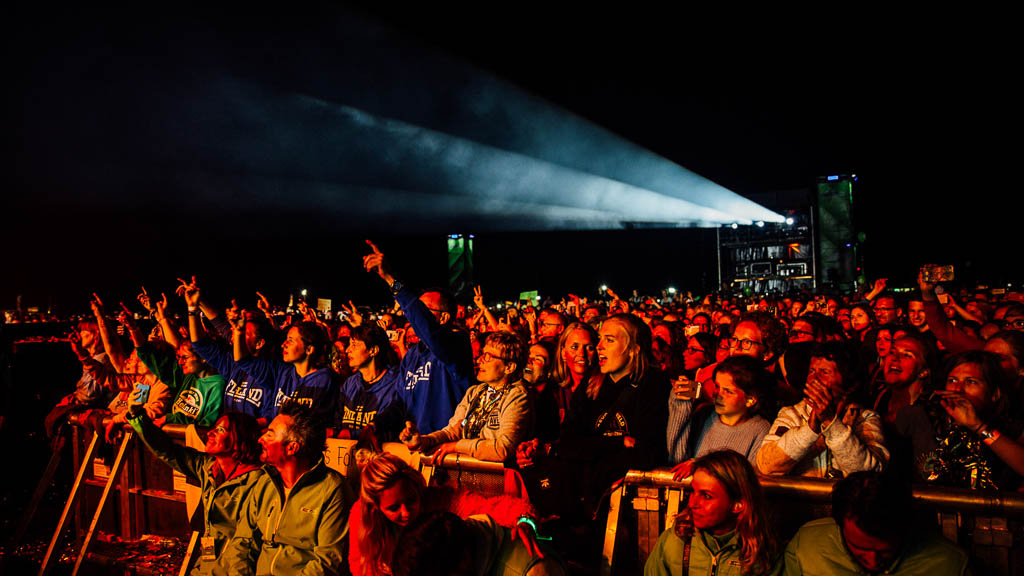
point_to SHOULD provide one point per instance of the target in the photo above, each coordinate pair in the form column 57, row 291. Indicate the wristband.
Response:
column 396, row 287
column 193, row 309
column 530, row 522
column 989, row 436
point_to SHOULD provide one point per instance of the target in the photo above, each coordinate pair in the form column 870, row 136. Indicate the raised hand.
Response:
column 478, row 298
column 126, row 317
column 159, row 310
column 144, row 299
column 355, row 318
column 190, row 291
column 375, row 261
column 960, row 409
column 97, row 305
column 263, row 304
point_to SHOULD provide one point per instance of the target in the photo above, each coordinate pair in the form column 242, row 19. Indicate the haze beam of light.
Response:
column 354, row 150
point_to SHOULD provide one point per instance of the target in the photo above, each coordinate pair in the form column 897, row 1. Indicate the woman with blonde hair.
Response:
column 725, row 524
column 392, row 494
column 619, row 424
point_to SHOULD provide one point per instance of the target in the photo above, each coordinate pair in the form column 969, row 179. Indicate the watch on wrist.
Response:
column 396, row 287
column 988, row 435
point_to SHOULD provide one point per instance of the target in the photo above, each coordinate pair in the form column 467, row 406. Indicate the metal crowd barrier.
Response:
column 126, row 480
column 986, row 523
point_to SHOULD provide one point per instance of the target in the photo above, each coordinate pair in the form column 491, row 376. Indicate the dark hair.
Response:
column 313, row 335
column 307, row 429
column 244, row 433
column 929, row 354
column 709, row 342
column 991, row 371
column 749, row 375
column 372, row 336
column 711, row 323
column 512, row 350
column 434, row 544
column 815, row 321
column 878, row 503
column 845, row 359
column 264, row 331
column 773, row 331
column 1015, row 340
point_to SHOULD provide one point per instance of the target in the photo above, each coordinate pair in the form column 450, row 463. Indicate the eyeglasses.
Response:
column 487, row 357
column 744, row 345
column 884, row 309
column 1015, row 324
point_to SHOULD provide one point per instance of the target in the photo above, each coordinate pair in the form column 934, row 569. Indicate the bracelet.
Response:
column 524, row 519
column 989, row 436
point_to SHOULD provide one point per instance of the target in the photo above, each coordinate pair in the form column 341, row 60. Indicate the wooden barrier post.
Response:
column 44, row 568
column 115, row 472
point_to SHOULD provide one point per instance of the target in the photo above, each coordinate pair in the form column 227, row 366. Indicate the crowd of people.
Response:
column 876, row 389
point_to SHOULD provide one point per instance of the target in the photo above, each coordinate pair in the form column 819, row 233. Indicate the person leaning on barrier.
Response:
column 871, row 529
column 198, row 389
column 296, row 519
column 827, row 433
column 226, row 473
column 493, row 417
column 724, row 529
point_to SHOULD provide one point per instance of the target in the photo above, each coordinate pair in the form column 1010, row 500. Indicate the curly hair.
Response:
column 773, row 332
column 512, row 349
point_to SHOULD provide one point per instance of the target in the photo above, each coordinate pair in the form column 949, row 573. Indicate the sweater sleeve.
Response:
column 217, row 356
column 860, row 447
column 788, row 440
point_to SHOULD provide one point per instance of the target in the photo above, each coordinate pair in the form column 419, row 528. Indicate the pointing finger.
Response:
column 374, row 247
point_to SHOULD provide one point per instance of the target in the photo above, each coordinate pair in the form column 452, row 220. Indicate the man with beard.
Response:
column 296, row 518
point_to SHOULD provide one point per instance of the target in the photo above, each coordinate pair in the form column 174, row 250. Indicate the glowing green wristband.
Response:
column 529, row 522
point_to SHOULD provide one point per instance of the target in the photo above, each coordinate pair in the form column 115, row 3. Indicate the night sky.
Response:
column 120, row 174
